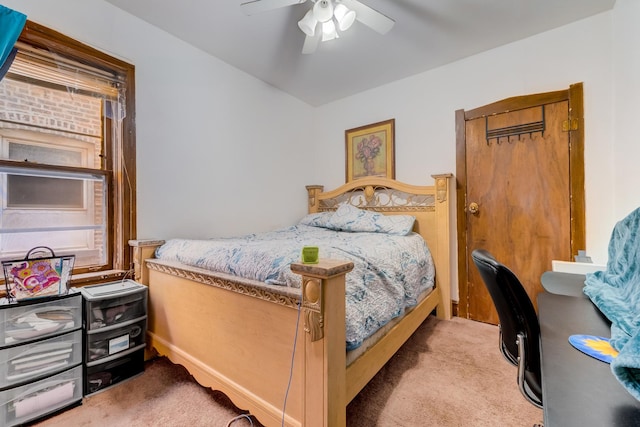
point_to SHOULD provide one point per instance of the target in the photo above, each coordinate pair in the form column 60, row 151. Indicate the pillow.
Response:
column 320, row 219
column 350, row 218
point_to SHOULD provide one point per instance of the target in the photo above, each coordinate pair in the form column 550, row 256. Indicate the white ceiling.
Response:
column 426, row 35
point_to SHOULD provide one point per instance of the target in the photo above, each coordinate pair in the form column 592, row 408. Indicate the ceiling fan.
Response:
column 326, row 19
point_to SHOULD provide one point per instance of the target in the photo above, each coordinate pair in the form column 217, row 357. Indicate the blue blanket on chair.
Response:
column 616, row 292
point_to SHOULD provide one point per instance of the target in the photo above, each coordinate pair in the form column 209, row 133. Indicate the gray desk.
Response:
column 578, row 390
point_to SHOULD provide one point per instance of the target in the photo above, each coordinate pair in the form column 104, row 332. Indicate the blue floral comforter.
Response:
column 390, row 271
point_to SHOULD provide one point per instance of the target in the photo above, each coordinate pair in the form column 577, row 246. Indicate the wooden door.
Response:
column 520, row 171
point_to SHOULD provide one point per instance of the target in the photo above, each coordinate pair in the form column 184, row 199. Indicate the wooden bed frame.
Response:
column 283, row 361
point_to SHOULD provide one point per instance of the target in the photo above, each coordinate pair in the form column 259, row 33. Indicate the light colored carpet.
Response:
column 449, row 374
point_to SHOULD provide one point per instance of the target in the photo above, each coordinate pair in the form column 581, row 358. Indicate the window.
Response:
column 67, row 154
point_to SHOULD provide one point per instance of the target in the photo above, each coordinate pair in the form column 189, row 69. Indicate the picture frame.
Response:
column 370, row 151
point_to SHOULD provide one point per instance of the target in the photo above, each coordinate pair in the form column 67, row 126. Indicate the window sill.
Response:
column 84, row 279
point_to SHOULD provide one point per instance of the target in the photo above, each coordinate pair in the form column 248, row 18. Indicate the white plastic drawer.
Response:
column 34, row 400
column 23, row 323
column 109, row 343
column 29, row 362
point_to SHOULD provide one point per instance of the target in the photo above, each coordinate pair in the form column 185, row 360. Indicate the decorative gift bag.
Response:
column 40, row 274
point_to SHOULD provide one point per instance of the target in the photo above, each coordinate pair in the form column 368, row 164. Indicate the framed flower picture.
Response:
column 370, row 151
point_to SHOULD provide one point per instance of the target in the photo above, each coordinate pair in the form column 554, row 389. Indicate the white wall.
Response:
column 626, row 143
column 424, row 108
column 206, row 132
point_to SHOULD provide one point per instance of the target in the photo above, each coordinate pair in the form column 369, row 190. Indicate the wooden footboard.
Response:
column 280, row 352
column 257, row 346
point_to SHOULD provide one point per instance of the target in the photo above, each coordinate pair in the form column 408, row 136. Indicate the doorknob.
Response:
column 474, row 208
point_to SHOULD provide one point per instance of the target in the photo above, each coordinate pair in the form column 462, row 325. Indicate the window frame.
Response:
column 122, row 197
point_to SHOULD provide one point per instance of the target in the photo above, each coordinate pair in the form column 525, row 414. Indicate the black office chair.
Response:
column 519, row 328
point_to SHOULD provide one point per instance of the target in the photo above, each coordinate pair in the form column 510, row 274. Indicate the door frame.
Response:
column 574, row 95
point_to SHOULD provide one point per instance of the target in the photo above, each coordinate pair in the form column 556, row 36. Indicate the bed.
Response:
column 280, row 352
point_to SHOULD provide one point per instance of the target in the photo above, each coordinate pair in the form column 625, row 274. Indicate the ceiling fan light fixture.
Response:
column 329, row 31
column 308, row 23
column 323, row 10
column 344, row 16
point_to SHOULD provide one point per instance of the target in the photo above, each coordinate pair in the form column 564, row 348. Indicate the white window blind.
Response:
column 40, row 65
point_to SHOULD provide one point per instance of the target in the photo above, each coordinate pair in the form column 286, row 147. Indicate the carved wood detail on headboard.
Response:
column 374, row 197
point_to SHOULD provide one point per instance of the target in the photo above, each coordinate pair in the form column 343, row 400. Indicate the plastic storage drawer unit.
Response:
column 116, row 328
column 36, row 319
column 32, row 361
column 28, row 402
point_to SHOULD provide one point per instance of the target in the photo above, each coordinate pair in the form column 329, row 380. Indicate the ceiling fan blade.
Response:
column 258, row 6
column 370, row 17
column 311, row 43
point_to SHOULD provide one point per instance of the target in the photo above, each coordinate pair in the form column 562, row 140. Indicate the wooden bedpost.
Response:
column 323, row 296
column 443, row 267
column 143, row 249
column 313, row 202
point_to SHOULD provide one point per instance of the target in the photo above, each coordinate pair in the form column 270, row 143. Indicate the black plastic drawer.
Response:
column 103, row 375
column 108, row 305
column 109, row 343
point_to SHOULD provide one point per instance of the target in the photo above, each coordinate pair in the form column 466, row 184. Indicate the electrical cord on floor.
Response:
column 239, row 417
column 293, row 355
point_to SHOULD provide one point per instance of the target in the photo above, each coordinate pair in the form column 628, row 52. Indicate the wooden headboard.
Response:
column 428, row 204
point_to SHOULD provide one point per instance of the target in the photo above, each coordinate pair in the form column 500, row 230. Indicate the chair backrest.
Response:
column 514, row 307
